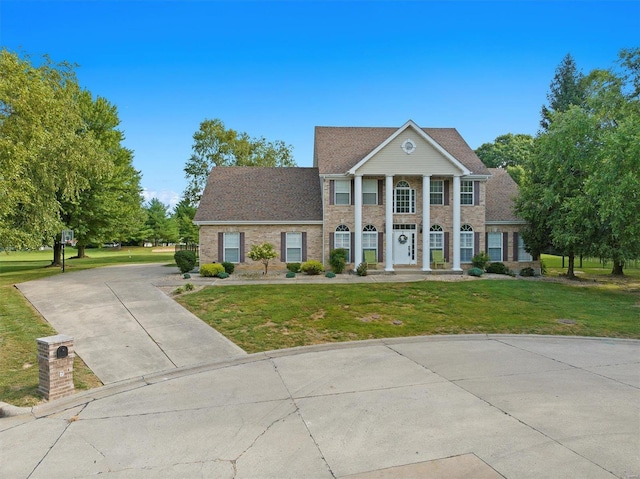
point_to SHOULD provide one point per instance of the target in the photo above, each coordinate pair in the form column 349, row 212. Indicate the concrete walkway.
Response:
column 432, row 407
column 123, row 326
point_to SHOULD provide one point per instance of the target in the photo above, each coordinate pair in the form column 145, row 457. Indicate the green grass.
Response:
column 20, row 324
column 260, row 318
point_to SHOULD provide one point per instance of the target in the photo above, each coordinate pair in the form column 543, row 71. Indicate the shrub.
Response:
column 361, row 270
column 229, row 268
column 338, row 259
column 185, row 260
column 291, row 274
column 210, row 270
column 497, row 268
column 188, row 287
column 186, row 276
column 312, row 267
column 330, row 274
column 293, row 267
column 480, row 260
column 223, row 275
column 527, row 272
column 264, row 252
column 179, row 290
column 475, row 272
column 543, row 268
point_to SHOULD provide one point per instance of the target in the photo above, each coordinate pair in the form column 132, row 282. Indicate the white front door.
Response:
column 404, row 247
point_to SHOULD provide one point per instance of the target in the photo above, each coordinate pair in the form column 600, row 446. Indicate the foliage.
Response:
column 290, row 274
column 183, row 215
column 338, row 259
column 214, row 145
column 162, row 228
column 567, row 89
column 185, row 260
column 361, row 270
column 293, row 267
column 506, row 150
column 223, row 275
column 480, row 260
column 475, row 272
column 330, row 274
column 264, row 252
column 497, row 268
column 229, row 268
column 527, row 272
column 312, row 267
column 210, row 270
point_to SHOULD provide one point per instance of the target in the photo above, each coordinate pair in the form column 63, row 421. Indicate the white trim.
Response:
column 456, row 223
column 242, row 223
column 513, row 222
column 357, row 219
column 426, row 222
column 463, row 169
column 388, row 223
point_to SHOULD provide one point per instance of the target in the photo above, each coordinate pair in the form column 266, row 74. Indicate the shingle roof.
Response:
column 501, row 192
column 249, row 193
column 337, row 149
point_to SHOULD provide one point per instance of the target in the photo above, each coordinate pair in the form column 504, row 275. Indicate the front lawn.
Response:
column 267, row 317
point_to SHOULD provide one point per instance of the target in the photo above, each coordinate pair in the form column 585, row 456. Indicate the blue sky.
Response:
column 278, row 69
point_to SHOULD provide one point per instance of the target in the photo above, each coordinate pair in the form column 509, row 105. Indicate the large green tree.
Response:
column 47, row 154
column 183, row 213
column 507, row 151
column 214, row 145
column 566, row 89
column 161, row 225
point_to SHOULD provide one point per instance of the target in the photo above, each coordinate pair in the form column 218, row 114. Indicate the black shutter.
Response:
column 446, row 246
column 380, row 192
column 476, row 243
column 352, row 247
column 486, row 243
column 332, row 192
column 242, row 247
column 220, row 247
column 283, row 246
column 446, row 192
column 352, row 193
column 515, row 246
column 304, row 247
column 380, row 248
column 476, row 193
column 505, row 246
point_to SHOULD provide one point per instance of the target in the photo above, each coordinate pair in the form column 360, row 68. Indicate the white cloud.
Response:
column 170, row 198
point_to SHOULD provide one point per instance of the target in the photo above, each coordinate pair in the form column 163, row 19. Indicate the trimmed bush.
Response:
column 229, row 268
column 293, row 267
column 527, row 272
column 480, row 260
column 186, row 276
column 361, row 270
column 291, row 274
column 497, row 268
column 185, row 260
column 223, row 275
column 189, row 287
column 210, row 270
column 338, row 259
column 312, row 267
column 330, row 274
column 475, row 272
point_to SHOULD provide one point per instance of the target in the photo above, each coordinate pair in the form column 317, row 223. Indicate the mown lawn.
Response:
column 266, row 317
column 21, row 324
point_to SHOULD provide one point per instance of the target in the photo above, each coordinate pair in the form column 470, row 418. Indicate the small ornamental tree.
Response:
column 264, row 252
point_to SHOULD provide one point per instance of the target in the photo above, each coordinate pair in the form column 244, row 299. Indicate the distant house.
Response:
column 397, row 197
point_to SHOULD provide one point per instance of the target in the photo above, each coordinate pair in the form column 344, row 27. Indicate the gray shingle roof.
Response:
column 248, row 193
column 501, row 192
column 337, row 149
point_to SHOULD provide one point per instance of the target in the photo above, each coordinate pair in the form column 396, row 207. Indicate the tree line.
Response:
column 579, row 177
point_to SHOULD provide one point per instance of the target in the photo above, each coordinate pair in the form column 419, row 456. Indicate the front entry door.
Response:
column 404, row 247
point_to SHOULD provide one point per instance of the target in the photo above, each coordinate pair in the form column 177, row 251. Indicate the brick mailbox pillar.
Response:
column 55, row 362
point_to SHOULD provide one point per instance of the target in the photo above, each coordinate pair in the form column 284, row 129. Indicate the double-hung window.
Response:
column 342, row 192
column 466, row 243
column 404, row 198
column 342, row 239
column 522, row 252
column 436, row 193
column 370, row 240
column 494, row 246
column 294, row 248
column 369, row 192
column 232, row 247
column 436, row 240
column 466, row 192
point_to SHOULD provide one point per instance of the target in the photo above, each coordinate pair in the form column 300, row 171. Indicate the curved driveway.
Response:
column 432, row 407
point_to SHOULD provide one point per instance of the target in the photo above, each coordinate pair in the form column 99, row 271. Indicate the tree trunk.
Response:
column 618, row 266
column 57, row 254
column 571, row 268
column 81, row 251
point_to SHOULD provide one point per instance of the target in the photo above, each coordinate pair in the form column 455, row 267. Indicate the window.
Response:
column 466, row 243
column 294, row 248
column 342, row 239
column 522, row 252
column 466, row 192
column 370, row 240
column 369, row 192
column 404, row 198
column 342, row 192
column 436, row 240
column 437, row 192
column 494, row 246
column 232, row 247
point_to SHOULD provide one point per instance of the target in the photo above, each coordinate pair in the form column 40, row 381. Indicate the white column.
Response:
column 456, row 223
column 388, row 218
column 357, row 205
column 426, row 221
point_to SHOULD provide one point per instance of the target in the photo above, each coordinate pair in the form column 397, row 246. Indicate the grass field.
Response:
column 20, row 324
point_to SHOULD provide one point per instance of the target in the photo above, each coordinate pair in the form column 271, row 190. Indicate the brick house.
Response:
column 367, row 192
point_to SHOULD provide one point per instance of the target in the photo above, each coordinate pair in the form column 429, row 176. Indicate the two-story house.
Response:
column 396, row 197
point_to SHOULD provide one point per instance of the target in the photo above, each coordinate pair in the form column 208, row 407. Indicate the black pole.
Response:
column 63, row 257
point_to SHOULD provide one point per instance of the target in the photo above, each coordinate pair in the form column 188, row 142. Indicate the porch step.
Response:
column 416, row 271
